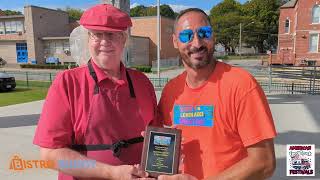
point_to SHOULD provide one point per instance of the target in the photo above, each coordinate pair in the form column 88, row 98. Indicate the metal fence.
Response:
column 287, row 79
column 273, row 79
column 290, row 88
column 44, row 79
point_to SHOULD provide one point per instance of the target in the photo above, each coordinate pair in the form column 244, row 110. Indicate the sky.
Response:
column 176, row 5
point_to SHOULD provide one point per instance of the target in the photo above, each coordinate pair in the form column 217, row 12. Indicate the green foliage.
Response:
column 222, row 57
column 146, row 69
column 74, row 13
column 10, row 13
column 266, row 14
column 46, row 66
column 225, row 7
column 138, row 11
column 225, row 19
column 165, row 10
column 259, row 19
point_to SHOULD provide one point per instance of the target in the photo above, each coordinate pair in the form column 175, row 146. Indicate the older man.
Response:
column 97, row 111
column 229, row 130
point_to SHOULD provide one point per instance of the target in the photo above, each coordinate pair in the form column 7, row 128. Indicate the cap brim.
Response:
column 103, row 28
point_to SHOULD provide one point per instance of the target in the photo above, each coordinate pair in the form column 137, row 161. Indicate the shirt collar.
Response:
column 101, row 75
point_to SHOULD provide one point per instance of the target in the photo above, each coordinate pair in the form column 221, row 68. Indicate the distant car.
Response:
column 7, row 82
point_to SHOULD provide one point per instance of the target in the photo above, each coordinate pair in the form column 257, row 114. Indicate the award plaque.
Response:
column 161, row 151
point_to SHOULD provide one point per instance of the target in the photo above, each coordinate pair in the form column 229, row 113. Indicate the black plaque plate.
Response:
column 161, row 151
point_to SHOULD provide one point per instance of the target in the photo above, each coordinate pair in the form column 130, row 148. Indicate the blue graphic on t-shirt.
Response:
column 187, row 115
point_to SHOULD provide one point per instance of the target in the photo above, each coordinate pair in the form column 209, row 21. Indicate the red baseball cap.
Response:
column 105, row 17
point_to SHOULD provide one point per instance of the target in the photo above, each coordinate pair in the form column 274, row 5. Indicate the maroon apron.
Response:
column 113, row 136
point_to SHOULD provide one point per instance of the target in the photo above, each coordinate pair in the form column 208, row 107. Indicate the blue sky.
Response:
column 176, row 5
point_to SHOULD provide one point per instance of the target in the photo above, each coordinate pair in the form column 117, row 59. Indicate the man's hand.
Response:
column 177, row 177
column 127, row 172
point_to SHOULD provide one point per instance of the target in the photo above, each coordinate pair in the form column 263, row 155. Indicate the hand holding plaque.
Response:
column 161, row 151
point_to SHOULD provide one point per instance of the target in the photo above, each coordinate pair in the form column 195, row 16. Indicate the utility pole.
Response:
column 240, row 46
column 158, row 38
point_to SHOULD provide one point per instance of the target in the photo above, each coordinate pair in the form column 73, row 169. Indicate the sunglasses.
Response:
column 186, row 35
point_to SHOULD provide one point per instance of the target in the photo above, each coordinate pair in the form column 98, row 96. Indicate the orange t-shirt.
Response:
column 218, row 120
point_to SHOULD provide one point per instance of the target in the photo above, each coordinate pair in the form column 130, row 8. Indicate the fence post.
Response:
column 27, row 77
column 50, row 78
column 270, row 78
column 292, row 88
column 310, row 81
column 314, row 79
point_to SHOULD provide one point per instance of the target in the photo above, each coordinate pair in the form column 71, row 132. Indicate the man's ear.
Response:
column 175, row 41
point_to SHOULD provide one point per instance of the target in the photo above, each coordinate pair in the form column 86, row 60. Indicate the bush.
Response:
column 47, row 66
column 222, row 57
column 146, row 69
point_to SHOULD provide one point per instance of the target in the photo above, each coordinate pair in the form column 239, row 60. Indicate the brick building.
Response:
column 41, row 35
column 299, row 28
column 147, row 27
column 30, row 38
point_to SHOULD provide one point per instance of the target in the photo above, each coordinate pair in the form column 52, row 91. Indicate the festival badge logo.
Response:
column 300, row 160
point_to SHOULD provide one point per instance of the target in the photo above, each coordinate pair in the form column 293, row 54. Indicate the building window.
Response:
column 13, row 27
column 66, row 46
column 2, row 28
column 316, row 14
column 287, row 26
column 313, row 43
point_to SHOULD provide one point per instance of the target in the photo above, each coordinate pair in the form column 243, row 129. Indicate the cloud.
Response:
column 134, row 5
column 177, row 8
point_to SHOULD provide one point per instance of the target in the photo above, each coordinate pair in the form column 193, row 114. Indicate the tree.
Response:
column 165, row 10
column 225, row 18
column 259, row 19
column 138, row 11
column 266, row 15
column 74, row 14
column 10, row 12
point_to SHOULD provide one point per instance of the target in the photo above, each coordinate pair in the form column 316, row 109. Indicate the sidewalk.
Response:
column 297, row 120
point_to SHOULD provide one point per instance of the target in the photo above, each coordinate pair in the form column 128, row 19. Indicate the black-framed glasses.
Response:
column 203, row 32
column 98, row 36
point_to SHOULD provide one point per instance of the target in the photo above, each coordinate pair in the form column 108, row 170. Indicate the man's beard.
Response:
column 201, row 63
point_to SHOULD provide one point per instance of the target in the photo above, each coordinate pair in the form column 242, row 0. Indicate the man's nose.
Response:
column 196, row 41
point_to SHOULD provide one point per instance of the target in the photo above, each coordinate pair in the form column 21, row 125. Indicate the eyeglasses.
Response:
column 98, row 36
column 186, row 35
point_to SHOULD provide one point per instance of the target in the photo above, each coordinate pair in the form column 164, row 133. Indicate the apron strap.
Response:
column 94, row 76
column 115, row 147
column 131, row 89
column 96, row 87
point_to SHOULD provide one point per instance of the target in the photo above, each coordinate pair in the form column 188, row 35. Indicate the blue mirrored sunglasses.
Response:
column 186, row 35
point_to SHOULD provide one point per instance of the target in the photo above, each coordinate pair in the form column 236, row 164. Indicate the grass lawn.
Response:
column 244, row 57
column 22, row 95
column 33, row 84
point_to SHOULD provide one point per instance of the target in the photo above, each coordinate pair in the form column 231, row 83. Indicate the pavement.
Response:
column 297, row 120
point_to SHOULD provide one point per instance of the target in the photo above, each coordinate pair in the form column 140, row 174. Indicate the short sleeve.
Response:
column 157, row 121
column 254, row 118
column 164, row 108
column 54, row 129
